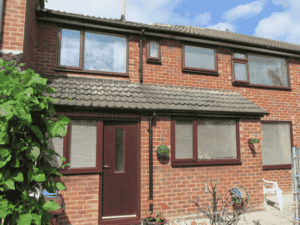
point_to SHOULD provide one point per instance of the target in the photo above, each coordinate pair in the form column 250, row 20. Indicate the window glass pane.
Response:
column 276, row 143
column 268, row 71
column 119, row 163
column 70, row 48
column 83, row 143
column 240, row 71
column 154, row 48
column 105, row 53
column 197, row 57
column 216, row 139
column 56, row 144
column 239, row 55
column 183, row 139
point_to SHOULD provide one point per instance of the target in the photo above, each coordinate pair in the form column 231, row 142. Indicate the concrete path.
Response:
column 273, row 215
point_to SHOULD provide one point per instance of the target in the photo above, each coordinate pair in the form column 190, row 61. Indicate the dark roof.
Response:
column 206, row 33
column 11, row 56
column 116, row 94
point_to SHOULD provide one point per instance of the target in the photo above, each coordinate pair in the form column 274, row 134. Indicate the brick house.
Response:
column 199, row 91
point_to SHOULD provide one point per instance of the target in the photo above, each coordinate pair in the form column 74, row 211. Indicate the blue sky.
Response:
column 273, row 19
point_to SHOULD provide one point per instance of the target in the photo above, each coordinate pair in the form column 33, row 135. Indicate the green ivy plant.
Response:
column 162, row 151
column 24, row 113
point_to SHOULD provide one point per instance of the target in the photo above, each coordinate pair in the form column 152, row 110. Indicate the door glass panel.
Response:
column 119, row 159
column 83, row 137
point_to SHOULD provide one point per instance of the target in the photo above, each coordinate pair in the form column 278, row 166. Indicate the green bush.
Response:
column 23, row 124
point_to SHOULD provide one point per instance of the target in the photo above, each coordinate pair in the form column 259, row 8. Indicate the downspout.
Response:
column 151, row 161
column 141, row 56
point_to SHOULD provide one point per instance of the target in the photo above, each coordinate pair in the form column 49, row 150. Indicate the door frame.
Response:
column 129, row 220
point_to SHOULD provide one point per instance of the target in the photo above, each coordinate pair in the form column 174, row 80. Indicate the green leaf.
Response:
column 51, row 205
column 15, row 164
column 25, row 219
column 4, row 161
column 37, row 132
column 22, row 112
column 17, row 176
column 5, row 152
column 39, row 177
column 50, row 90
column 6, row 111
column 10, row 184
column 36, row 219
column 60, row 186
column 4, row 208
column 4, row 138
column 6, row 174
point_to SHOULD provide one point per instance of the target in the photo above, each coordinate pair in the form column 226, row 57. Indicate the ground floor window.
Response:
column 276, row 143
column 205, row 141
column 80, row 146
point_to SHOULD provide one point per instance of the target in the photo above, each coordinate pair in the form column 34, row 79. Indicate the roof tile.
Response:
column 198, row 31
column 147, row 96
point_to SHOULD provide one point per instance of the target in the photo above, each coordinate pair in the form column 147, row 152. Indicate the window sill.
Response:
column 92, row 72
column 79, row 170
column 274, row 167
column 156, row 61
column 206, row 72
column 206, row 162
column 261, row 86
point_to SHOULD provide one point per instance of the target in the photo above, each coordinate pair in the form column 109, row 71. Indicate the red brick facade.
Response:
column 177, row 186
column 13, row 25
column 173, row 186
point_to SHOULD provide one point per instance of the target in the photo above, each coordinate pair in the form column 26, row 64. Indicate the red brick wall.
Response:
column 81, row 198
column 30, row 34
column 176, row 186
column 13, row 25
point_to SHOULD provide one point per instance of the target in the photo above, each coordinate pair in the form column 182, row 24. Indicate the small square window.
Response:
column 153, row 51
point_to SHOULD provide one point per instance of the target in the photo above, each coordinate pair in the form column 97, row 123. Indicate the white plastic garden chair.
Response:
column 273, row 190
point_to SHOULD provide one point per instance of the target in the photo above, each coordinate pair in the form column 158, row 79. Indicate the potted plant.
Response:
column 162, row 151
column 253, row 144
column 154, row 218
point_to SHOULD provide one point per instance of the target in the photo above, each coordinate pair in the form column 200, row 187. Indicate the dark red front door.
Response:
column 120, row 179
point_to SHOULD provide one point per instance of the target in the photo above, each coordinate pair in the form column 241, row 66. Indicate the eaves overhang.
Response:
column 175, row 32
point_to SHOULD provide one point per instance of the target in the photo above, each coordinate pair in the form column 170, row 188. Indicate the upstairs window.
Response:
column 259, row 70
column 199, row 59
column 153, row 51
column 92, row 52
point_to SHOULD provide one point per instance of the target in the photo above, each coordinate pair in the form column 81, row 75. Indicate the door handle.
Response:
column 106, row 167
